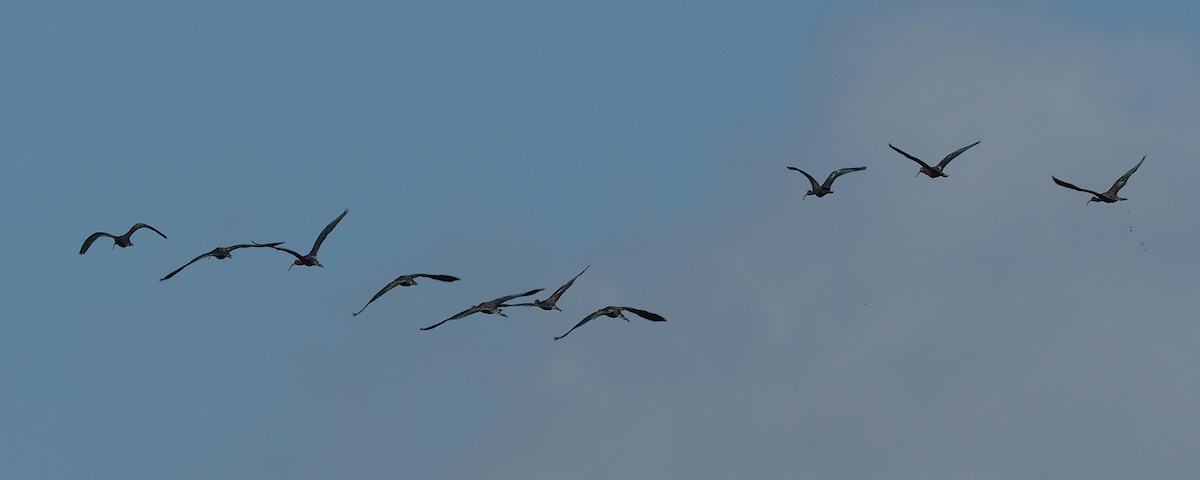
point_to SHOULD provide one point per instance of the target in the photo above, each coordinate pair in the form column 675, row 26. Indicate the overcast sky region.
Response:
column 988, row 325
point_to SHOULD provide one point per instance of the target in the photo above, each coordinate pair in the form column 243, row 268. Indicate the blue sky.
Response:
column 986, row 325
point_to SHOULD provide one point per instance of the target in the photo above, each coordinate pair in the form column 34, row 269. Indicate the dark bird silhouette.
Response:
column 489, row 307
column 311, row 259
column 121, row 241
column 1111, row 195
column 551, row 302
column 406, row 281
column 220, row 253
column 935, row 171
column 615, row 312
column 822, row 189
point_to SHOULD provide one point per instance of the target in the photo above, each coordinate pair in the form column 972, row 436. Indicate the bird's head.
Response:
column 806, row 194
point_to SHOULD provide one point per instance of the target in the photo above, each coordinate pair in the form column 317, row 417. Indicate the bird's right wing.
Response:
column 501, row 300
column 177, row 270
column 837, row 173
column 910, row 157
column 954, row 154
column 248, row 245
column 137, row 226
column 287, row 250
column 456, row 316
column 586, row 319
column 385, row 289
column 553, row 298
column 1120, row 183
column 811, row 180
column 1072, row 187
column 92, row 238
column 442, row 278
column 651, row 316
column 325, row 233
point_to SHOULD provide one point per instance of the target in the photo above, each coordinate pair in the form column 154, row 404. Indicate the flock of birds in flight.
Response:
column 494, row 306
column 823, row 189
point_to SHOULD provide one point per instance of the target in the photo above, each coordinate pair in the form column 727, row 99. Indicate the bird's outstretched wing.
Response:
column 325, row 233
column 214, row 252
column 137, row 226
column 194, row 260
column 500, row 301
column 252, row 244
column 382, row 291
column 553, row 298
column 651, row 316
column 946, row 161
column 377, row 295
column 1073, row 187
column 441, row 278
column 1120, row 183
column 910, row 157
column 92, row 238
column 586, row 319
column 287, row 250
column 469, row 311
column 811, row 180
column 837, row 173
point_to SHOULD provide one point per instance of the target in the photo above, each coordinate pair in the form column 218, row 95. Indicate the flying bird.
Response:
column 121, row 241
column 489, row 307
column 936, row 171
column 551, row 302
column 406, row 281
column 220, row 253
column 615, row 312
column 1111, row 195
column 822, row 189
column 311, row 259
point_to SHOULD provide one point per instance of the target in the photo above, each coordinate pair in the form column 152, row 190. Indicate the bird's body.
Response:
column 823, row 189
column 489, row 307
column 615, row 312
column 221, row 253
column 551, row 302
column 310, row 259
column 1109, row 196
column 936, row 170
column 118, row 241
column 406, row 281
